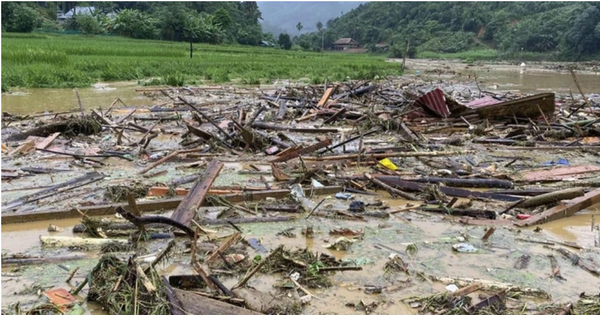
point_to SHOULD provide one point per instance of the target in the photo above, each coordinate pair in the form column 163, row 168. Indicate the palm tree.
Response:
column 320, row 28
column 299, row 27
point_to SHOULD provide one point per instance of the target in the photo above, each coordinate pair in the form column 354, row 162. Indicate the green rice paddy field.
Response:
column 40, row 60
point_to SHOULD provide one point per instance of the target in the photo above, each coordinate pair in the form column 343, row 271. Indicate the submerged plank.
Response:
column 149, row 206
column 564, row 210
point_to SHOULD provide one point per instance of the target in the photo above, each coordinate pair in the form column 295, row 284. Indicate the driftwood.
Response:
column 149, row 206
column 187, row 208
column 487, row 214
column 564, row 210
column 261, row 125
column 67, row 241
column 386, row 155
column 390, row 189
column 548, row 198
column 55, row 189
column 311, row 148
column 470, row 182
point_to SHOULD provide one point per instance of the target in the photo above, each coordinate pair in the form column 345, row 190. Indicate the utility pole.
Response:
column 404, row 59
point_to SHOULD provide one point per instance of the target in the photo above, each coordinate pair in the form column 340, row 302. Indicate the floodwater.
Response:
column 528, row 79
column 433, row 234
column 531, row 79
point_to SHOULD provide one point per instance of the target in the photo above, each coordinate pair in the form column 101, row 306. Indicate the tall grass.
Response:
column 77, row 61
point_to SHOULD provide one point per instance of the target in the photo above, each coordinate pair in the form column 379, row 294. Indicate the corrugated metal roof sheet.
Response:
column 436, row 102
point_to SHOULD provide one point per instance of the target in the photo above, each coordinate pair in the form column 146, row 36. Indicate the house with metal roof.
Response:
column 345, row 43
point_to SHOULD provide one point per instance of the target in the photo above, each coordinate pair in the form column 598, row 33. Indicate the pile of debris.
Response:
column 443, row 151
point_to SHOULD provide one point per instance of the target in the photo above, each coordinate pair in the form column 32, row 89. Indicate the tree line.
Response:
column 205, row 22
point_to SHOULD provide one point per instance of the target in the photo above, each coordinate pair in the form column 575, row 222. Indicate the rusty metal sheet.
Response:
column 559, row 173
column 482, row 102
column 60, row 296
column 436, row 102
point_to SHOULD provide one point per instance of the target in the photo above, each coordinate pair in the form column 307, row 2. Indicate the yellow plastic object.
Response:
column 388, row 164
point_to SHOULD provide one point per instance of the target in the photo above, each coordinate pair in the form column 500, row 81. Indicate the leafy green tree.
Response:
column 284, row 41
column 299, row 26
column 136, row 24
column 19, row 17
column 222, row 18
column 582, row 39
column 88, row 24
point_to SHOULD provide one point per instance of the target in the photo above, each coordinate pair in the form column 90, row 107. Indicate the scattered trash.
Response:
column 464, row 248
column 344, row 196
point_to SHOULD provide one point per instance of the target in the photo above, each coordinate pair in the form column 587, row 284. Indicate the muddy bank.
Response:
column 357, row 151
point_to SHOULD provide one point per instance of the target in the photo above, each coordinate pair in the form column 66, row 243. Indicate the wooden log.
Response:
column 466, row 182
column 193, row 200
column 174, row 304
column 487, row 214
column 247, row 220
column 282, row 109
column 576, row 260
column 335, row 116
column 261, row 125
column 564, row 210
column 55, row 189
column 548, row 198
column 386, row 155
column 297, row 153
column 66, row 241
column 149, row 206
column 450, row 191
column 390, row 189
column 40, row 260
column 44, row 144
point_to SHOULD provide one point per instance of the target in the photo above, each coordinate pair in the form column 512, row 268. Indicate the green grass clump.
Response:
column 46, row 60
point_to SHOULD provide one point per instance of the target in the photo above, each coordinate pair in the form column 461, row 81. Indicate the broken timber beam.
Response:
column 150, row 206
column 191, row 202
column 261, row 125
column 564, row 210
column 386, row 155
column 297, row 153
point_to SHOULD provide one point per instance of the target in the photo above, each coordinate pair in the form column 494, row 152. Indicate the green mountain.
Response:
column 566, row 30
column 283, row 16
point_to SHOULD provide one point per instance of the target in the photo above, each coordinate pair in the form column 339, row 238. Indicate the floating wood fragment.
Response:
column 567, row 209
column 386, row 155
column 326, row 96
column 548, row 198
column 558, row 173
column 187, row 208
column 23, row 148
column 297, row 153
column 267, row 126
column 44, row 144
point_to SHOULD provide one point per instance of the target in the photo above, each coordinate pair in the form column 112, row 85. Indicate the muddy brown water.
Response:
column 433, row 234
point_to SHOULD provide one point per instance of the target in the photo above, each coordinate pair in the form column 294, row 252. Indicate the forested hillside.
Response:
column 568, row 30
column 205, row 22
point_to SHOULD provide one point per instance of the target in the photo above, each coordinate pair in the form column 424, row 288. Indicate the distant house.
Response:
column 345, row 43
column 61, row 17
column 264, row 43
column 74, row 11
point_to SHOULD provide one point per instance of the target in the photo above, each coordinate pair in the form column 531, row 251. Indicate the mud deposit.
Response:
column 159, row 152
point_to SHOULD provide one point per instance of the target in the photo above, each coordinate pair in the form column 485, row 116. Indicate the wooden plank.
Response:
column 261, row 125
column 309, row 149
column 23, row 148
column 564, row 210
column 198, row 132
column 44, row 144
column 200, row 305
column 558, row 173
column 149, row 206
column 325, row 97
column 193, row 200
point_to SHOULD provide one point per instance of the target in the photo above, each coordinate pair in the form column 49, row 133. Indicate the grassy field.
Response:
column 39, row 60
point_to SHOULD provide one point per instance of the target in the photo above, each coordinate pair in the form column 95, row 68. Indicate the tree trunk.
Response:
column 191, row 49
